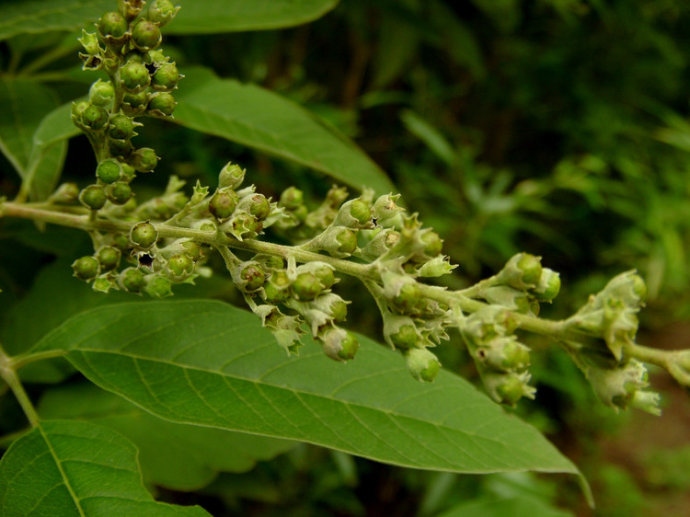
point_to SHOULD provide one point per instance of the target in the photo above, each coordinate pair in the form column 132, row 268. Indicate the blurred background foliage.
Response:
column 558, row 127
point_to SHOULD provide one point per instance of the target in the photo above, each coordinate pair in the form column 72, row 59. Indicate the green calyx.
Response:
column 134, row 76
column 144, row 159
column 347, row 241
column 158, row 286
column 119, row 193
column 144, row 235
column 433, row 245
column 161, row 11
column 132, row 280
column 406, row 337
column 112, row 24
column 180, row 266
column 166, row 77
column 86, row 268
column 94, row 117
column 252, row 277
column 276, row 290
column 102, row 93
column 121, row 127
column 162, row 104
column 339, row 344
column 231, row 176
column 360, row 211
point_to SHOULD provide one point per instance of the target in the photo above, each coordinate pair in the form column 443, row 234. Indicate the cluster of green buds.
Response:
column 148, row 247
column 141, row 79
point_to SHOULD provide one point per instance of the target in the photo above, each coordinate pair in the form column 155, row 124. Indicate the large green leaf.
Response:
column 209, row 364
column 29, row 135
column 33, row 16
column 177, row 456
column 258, row 118
column 65, row 468
column 213, row 16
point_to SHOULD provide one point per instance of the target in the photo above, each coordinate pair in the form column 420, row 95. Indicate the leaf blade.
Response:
column 85, row 469
column 228, row 373
column 214, row 16
column 258, row 118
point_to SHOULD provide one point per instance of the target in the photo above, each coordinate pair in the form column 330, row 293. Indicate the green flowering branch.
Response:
column 148, row 247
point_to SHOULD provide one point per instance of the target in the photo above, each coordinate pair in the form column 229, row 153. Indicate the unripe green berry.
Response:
column 146, row 35
column 223, row 203
column 531, row 268
column 516, row 356
column 144, row 159
column 306, row 286
column 86, row 268
column 360, row 211
column 423, row 365
column 511, row 390
column 66, row 194
column 94, row 117
column 163, row 103
column 108, row 170
column 109, row 257
column 325, row 276
column 121, row 127
column 161, row 11
column 231, row 176
column 407, row 298
column 158, row 287
column 252, row 277
column 78, row 109
column 166, row 77
column 549, row 285
column 276, row 289
column 137, row 100
column 120, row 148
column 291, row 198
column 134, row 76
column 192, row 250
column 339, row 344
column 347, row 241
column 259, row 206
column 93, row 197
column 406, row 337
column 102, row 93
column 143, row 234
column 119, row 193
column 112, row 24
column 433, row 245
column 132, row 280
column 180, row 265
column 349, row 345
column 339, row 311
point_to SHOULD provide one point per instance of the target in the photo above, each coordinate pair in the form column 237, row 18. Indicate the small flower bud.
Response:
column 135, row 103
column 146, row 35
column 407, row 298
column 112, row 24
column 143, row 234
column 181, row 266
column 423, row 364
column 338, row 310
column 78, row 109
column 223, row 203
column 162, row 104
column 549, row 285
column 158, row 286
column 132, row 280
column 511, row 388
column 252, row 277
column 144, row 159
column 102, row 93
column 94, row 117
column 522, row 271
column 291, row 198
column 433, row 245
column 161, row 11
column 339, row 344
column 103, row 284
column 231, row 176
column 93, row 197
column 134, row 76
column 86, row 268
column 119, row 193
column 108, row 170
column 121, row 127
column 306, row 286
column 108, row 257
column 406, row 337
column 257, row 205
column 166, row 77
column 360, row 211
column 65, row 194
